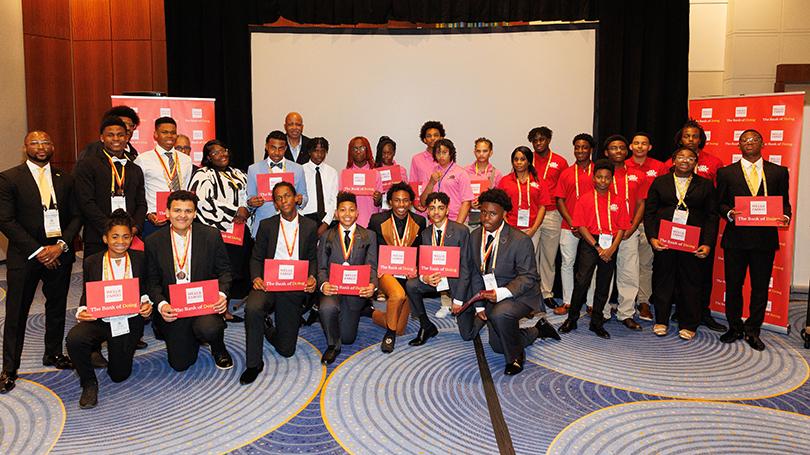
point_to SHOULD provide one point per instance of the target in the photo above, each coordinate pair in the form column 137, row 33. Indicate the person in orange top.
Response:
column 601, row 219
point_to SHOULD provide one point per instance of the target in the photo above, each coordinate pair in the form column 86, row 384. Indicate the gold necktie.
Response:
column 44, row 189
column 753, row 180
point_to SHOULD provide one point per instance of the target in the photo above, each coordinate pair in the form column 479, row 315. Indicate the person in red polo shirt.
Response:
column 529, row 195
column 601, row 219
column 549, row 165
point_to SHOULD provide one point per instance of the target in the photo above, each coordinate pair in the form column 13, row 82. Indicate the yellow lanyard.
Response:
column 596, row 209
column 109, row 272
column 576, row 176
column 626, row 190
column 681, row 190
column 751, row 188
column 115, row 178
column 230, row 179
column 548, row 163
column 528, row 192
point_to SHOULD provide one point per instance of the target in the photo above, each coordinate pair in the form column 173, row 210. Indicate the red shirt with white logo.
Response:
column 549, row 169
column 651, row 168
column 707, row 165
column 629, row 185
column 574, row 182
column 585, row 213
column 537, row 196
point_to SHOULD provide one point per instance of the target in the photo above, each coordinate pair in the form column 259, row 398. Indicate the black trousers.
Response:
column 674, row 281
column 588, row 262
column 416, row 290
column 340, row 316
column 22, row 284
column 287, row 309
column 85, row 337
column 183, row 337
column 706, row 271
column 759, row 264
column 239, row 257
column 503, row 320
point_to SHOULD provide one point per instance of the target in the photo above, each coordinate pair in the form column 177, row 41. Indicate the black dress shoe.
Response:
column 710, row 323
column 755, row 342
column 58, row 361
column 546, row 330
column 141, row 344
column 7, row 382
column 731, row 336
column 568, row 326
column 269, row 329
column 514, row 367
column 313, row 317
column 387, row 345
column 223, row 360
column 330, row 355
column 805, row 337
column 89, row 398
column 550, row 303
column 97, row 360
column 367, row 311
column 600, row 331
column 423, row 335
column 250, row 374
column 235, row 319
column 631, row 324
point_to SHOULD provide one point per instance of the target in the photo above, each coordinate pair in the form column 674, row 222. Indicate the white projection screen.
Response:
column 496, row 83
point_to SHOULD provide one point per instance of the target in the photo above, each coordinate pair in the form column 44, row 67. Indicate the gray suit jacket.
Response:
column 457, row 235
column 330, row 252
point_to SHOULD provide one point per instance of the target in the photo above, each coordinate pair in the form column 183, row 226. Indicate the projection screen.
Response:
column 496, row 83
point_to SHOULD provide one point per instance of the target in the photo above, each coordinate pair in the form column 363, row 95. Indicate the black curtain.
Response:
column 642, row 61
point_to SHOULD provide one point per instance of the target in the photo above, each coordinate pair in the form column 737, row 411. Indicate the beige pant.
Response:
column 645, row 266
column 549, row 243
column 568, row 251
column 626, row 278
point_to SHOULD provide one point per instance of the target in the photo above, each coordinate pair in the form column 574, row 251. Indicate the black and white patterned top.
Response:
column 221, row 193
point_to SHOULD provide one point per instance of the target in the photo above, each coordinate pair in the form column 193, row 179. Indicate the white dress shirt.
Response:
column 34, row 168
column 154, row 176
column 330, row 181
column 290, row 234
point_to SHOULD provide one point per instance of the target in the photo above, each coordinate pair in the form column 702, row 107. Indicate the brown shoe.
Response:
column 631, row 324
column 562, row 309
column 644, row 312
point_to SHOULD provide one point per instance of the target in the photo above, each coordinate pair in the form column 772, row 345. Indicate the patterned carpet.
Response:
column 634, row 393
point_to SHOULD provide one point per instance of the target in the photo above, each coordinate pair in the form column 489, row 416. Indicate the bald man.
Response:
column 40, row 218
column 297, row 143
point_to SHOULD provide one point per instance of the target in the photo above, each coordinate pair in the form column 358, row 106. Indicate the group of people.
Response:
column 603, row 216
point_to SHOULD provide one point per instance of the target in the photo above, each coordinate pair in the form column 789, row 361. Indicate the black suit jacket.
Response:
column 701, row 199
column 22, row 219
column 363, row 252
column 92, row 270
column 269, row 234
column 93, row 179
column 457, row 235
column 209, row 261
column 95, row 148
column 303, row 157
column 731, row 183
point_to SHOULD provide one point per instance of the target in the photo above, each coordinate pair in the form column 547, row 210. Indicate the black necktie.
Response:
column 319, row 192
column 438, row 237
column 488, row 265
column 346, row 239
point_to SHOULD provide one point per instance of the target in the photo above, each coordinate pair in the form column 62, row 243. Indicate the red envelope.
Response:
column 349, row 278
column 397, row 260
column 758, row 211
column 161, row 200
column 285, row 275
column 679, row 237
column 389, row 175
column 113, row 298
column 442, row 259
column 236, row 235
column 266, row 182
column 194, row 299
column 361, row 182
column 479, row 185
column 137, row 244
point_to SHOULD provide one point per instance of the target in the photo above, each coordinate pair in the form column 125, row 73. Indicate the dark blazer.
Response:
column 457, row 235
column 385, row 233
column 303, row 157
column 95, row 148
column 330, row 252
column 515, row 269
column 731, row 183
column 269, row 234
column 92, row 270
column 93, row 180
column 209, row 261
column 22, row 219
column 701, row 199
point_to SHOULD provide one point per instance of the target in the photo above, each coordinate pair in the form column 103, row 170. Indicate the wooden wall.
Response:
column 78, row 53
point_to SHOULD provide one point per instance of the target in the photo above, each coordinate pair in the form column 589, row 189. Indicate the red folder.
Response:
column 285, row 275
column 397, row 260
column 679, row 237
column 161, row 200
column 113, row 298
column 479, row 185
column 389, row 175
column 758, row 211
column 194, row 299
column 266, row 182
column 442, row 259
column 137, row 244
column 361, row 182
column 236, row 235
column 349, row 278
column 418, row 188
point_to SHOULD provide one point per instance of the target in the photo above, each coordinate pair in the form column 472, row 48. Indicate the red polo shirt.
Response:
column 574, row 182
column 629, row 185
column 538, row 195
column 549, row 170
column 585, row 213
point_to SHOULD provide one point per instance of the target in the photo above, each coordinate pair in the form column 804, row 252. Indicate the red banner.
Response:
column 194, row 117
column 778, row 117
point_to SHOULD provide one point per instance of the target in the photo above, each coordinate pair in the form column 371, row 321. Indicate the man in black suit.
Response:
column 188, row 252
column 501, row 268
column 130, row 119
column 283, row 236
column 40, row 219
column 107, row 181
column 297, row 143
column 749, row 248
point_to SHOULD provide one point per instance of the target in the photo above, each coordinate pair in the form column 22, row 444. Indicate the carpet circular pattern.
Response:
column 675, row 427
column 703, row 368
column 31, row 419
column 406, row 402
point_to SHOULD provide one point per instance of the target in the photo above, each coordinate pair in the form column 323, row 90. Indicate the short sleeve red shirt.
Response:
column 629, row 185
column 549, row 169
column 585, row 213
column 573, row 183
column 538, row 195
column 707, row 165
column 651, row 167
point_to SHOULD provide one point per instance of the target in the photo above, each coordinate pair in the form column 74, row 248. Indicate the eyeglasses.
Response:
column 361, row 148
column 183, row 148
column 750, row 140
column 218, row 152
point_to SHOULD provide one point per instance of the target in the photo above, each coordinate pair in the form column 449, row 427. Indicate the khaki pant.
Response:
column 626, row 278
column 549, row 243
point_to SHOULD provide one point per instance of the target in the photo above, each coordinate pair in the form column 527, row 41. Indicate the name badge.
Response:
column 490, row 283
column 443, row 285
column 119, row 325
column 52, row 227
column 758, row 208
column 118, row 202
column 523, row 218
column 605, row 241
column 680, row 216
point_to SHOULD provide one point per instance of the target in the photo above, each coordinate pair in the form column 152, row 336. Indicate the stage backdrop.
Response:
column 194, row 117
column 779, row 118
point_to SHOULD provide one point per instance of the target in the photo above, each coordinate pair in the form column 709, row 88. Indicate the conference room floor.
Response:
column 634, row 393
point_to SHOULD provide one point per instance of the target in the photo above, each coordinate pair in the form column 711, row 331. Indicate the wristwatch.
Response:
column 64, row 245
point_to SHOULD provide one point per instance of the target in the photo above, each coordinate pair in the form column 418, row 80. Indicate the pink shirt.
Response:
column 365, row 204
column 456, row 184
column 490, row 172
column 422, row 165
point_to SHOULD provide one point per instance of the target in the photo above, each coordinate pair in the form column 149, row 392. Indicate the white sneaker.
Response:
column 443, row 312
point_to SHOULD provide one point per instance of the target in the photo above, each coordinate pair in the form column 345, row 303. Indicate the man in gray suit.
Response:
column 501, row 268
column 349, row 244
